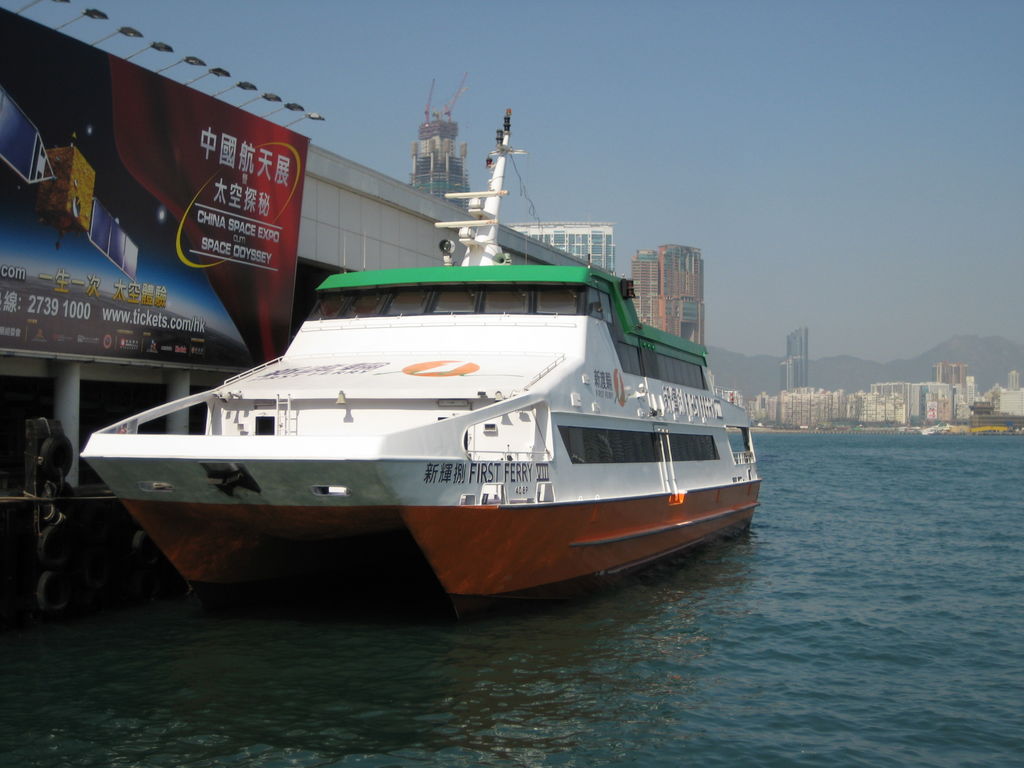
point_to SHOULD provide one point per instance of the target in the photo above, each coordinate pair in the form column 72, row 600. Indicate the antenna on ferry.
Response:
column 482, row 247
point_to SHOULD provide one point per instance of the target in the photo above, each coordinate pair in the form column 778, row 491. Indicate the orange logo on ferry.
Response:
column 620, row 387
column 429, row 369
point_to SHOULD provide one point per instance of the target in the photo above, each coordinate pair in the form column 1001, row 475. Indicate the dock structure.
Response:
column 144, row 261
column 70, row 551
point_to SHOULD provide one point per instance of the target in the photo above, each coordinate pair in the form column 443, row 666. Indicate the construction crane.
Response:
column 447, row 111
column 430, row 95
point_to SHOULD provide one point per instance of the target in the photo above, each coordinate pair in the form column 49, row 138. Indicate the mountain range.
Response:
column 988, row 358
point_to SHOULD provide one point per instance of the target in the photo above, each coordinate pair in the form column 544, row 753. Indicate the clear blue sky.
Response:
column 856, row 167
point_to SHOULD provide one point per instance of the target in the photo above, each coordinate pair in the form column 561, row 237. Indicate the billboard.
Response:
column 139, row 218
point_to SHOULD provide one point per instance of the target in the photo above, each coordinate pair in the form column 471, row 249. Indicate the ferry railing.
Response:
column 550, row 367
column 729, row 395
column 477, row 455
column 130, row 426
column 251, row 371
column 743, row 457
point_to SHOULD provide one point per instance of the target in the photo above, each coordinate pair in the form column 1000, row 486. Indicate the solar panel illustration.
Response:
column 66, row 180
column 21, row 146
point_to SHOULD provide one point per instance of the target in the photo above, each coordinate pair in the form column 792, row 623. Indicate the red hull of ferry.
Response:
column 476, row 552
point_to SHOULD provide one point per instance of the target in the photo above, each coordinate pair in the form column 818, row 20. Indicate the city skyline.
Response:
column 847, row 171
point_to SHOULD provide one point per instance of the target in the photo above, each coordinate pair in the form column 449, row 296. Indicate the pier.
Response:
column 68, row 551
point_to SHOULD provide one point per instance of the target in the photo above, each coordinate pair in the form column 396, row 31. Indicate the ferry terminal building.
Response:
column 144, row 258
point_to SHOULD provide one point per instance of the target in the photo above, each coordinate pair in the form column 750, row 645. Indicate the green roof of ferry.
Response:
column 643, row 335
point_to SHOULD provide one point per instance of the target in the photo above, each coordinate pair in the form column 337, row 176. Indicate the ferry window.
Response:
column 558, row 301
column 599, row 305
column 681, row 372
column 456, row 300
column 692, row 447
column 411, row 302
column 510, row 301
column 649, row 363
column 366, row 304
column 739, row 440
column 629, row 358
column 329, row 306
column 589, row 445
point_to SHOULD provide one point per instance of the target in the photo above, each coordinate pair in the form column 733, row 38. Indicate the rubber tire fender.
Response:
column 53, row 591
column 56, row 456
column 53, row 547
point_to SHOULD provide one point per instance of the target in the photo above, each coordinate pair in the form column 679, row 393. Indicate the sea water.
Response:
column 872, row 616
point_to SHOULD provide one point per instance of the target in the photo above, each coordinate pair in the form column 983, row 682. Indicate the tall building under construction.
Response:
column 438, row 163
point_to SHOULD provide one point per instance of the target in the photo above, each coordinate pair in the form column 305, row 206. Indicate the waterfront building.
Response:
column 1011, row 402
column 994, row 397
column 895, row 389
column 877, row 407
column 950, row 373
column 590, row 242
column 965, row 399
column 669, row 286
column 985, row 417
column 809, row 407
column 763, row 409
column 793, row 370
column 934, row 401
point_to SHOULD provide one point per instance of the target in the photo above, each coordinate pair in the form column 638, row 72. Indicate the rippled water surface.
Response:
column 873, row 616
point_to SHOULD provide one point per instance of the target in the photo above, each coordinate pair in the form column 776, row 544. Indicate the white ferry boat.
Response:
column 515, row 422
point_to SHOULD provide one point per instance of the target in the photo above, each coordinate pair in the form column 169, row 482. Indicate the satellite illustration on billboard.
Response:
column 194, row 204
column 66, row 181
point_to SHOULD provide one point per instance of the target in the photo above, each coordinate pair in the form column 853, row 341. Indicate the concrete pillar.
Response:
column 179, row 380
column 67, row 405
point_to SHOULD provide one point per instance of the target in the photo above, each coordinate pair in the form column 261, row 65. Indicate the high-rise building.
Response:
column 669, row 285
column 645, row 272
column 794, row 369
column 950, row 373
column 591, row 243
column 436, row 166
column 1013, row 380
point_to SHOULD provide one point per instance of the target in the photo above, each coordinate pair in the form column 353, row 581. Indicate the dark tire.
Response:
column 53, row 591
column 55, row 457
column 53, row 547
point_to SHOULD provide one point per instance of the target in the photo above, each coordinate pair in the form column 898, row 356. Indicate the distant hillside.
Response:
column 988, row 359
